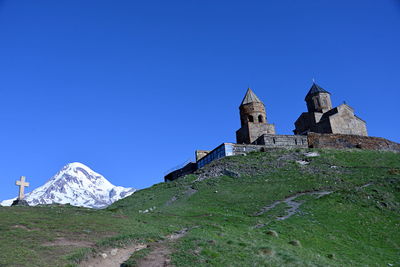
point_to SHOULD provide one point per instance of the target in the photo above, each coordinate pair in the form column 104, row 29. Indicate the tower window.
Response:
column 251, row 119
column 260, row 118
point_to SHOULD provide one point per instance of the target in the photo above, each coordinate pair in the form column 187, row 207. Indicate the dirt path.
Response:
column 293, row 205
column 159, row 256
column 61, row 241
column 112, row 257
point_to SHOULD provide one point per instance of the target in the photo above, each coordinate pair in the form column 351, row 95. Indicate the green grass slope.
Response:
column 356, row 224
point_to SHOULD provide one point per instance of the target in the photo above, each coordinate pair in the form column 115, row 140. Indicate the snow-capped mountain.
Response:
column 78, row 185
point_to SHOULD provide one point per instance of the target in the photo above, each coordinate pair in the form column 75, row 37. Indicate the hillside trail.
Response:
column 112, row 257
column 293, row 205
column 158, row 257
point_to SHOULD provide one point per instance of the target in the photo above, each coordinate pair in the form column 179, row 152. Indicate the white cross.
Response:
column 22, row 184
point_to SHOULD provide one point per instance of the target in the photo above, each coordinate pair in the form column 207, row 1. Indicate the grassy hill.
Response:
column 276, row 208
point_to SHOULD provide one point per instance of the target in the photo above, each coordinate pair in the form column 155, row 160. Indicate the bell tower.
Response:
column 253, row 118
column 318, row 99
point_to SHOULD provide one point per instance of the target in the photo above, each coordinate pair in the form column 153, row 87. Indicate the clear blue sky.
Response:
column 132, row 88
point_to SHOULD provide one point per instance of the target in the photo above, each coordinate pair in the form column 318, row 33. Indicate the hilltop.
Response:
column 299, row 207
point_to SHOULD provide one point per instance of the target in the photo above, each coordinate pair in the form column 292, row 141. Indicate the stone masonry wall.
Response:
column 345, row 122
column 341, row 141
column 251, row 131
column 283, row 141
column 244, row 149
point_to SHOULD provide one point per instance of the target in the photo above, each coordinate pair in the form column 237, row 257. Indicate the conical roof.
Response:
column 316, row 89
column 250, row 97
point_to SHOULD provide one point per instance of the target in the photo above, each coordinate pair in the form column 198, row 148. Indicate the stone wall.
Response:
column 251, row 131
column 310, row 122
column 254, row 109
column 238, row 149
column 345, row 122
column 283, row 141
column 341, row 141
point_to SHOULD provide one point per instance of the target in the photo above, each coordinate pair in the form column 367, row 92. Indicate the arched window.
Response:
column 251, row 119
column 260, row 118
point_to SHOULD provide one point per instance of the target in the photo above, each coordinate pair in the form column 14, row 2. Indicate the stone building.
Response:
column 321, row 127
column 322, row 118
column 253, row 118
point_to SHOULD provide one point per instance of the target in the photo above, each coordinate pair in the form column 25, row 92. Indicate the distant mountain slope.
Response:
column 78, row 185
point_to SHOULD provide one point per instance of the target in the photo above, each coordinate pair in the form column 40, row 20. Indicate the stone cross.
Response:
column 22, row 184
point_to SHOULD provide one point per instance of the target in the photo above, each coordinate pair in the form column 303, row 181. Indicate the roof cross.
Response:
column 22, row 184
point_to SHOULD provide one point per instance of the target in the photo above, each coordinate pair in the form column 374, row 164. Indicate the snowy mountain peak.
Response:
column 78, row 172
column 77, row 185
column 76, row 167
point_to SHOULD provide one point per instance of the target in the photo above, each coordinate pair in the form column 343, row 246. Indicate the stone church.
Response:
column 322, row 118
column 253, row 119
column 321, row 127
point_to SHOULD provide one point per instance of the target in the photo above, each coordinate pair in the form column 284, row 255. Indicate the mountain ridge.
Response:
column 78, row 185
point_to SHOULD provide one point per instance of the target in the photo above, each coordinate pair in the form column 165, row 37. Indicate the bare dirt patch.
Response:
column 23, row 227
column 160, row 255
column 61, row 241
column 112, row 257
column 120, row 216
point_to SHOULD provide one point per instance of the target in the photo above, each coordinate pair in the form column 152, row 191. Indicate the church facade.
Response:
column 322, row 118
